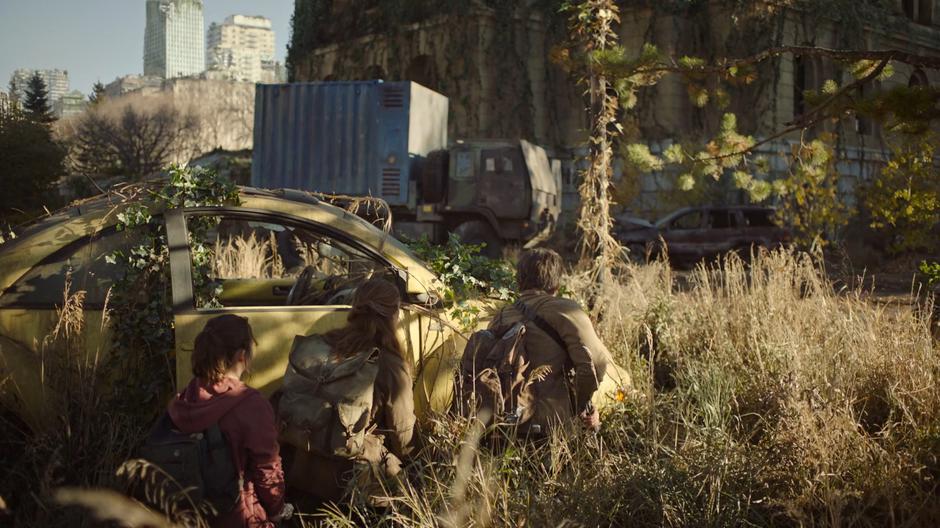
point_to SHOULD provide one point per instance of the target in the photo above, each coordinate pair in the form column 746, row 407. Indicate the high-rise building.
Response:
column 57, row 83
column 174, row 43
column 242, row 49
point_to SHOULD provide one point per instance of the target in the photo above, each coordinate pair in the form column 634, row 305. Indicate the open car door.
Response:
column 248, row 263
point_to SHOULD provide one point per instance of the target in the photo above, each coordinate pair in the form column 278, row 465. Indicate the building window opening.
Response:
column 925, row 12
column 864, row 125
column 918, row 78
column 908, row 7
column 805, row 78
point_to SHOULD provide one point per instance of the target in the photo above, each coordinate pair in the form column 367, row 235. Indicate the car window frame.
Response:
column 733, row 215
column 184, row 301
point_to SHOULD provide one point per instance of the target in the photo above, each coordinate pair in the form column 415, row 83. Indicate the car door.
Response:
column 29, row 311
column 723, row 232
column 252, row 259
column 683, row 236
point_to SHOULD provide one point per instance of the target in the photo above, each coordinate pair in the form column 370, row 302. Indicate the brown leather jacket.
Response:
column 583, row 351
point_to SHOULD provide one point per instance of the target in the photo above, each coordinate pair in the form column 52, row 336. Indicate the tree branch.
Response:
column 921, row 61
column 808, row 119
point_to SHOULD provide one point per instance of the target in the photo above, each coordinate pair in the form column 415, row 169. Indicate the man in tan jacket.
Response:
column 574, row 345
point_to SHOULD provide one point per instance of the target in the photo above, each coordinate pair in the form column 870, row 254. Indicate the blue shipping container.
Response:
column 352, row 138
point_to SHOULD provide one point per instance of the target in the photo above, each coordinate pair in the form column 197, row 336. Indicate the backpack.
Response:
column 200, row 463
column 496, row 377
column 326, row 405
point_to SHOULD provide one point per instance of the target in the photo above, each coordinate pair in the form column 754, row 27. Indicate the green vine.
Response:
column 467, row 276
column 140, row 303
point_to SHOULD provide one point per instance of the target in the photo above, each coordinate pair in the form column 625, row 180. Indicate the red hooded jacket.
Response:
column 247, row 421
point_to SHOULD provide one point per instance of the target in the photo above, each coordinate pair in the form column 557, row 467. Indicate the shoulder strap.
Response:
column 530, row 315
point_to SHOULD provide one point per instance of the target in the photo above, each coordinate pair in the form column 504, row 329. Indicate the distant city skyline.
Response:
column 103, row 40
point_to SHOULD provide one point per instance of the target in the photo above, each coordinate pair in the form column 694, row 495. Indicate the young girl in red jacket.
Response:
column 221, row 355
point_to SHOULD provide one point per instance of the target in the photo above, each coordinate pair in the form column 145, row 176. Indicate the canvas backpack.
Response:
column 326, row 405
column 496, row 376
column 200, row 463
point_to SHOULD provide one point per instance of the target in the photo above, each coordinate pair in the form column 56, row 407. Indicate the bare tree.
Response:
column 135, row 141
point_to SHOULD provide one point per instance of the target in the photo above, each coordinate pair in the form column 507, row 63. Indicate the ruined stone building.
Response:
column 493, row 60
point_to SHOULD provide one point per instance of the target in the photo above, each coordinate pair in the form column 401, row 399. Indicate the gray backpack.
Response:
column 200, row 464
column 326, row 404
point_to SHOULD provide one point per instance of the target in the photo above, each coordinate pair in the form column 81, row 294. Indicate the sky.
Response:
column 102, row 39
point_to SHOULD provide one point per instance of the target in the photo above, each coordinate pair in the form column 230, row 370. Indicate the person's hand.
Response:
column 590, row 419
column 286, row 513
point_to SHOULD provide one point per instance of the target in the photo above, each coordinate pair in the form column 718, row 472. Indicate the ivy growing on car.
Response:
column 140, row 302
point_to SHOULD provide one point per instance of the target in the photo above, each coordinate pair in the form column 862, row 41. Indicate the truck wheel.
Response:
column 478, row 232
column 434, row 177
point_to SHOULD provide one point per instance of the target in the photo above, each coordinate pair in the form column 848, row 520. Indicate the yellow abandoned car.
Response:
column 284, row 259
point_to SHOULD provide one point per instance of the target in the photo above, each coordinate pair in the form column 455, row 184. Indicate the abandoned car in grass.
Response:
column 283, row 259
column 693, row 234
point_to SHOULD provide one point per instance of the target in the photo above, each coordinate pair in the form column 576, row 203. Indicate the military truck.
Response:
column 389, row 140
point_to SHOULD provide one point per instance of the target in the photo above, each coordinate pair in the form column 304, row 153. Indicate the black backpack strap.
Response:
column 543, row 325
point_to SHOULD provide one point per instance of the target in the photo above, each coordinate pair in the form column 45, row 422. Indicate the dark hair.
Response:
column 216, row 346
column 539, row 269
column 371, row 322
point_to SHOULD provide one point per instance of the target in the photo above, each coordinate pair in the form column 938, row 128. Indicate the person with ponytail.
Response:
column 216, row 395
column 390, row 432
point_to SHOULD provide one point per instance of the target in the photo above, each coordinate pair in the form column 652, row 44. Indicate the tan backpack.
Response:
column 326, row 405
column 496, row 378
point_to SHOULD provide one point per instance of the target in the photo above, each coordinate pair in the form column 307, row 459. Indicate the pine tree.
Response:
column 13, row 90
column 32, row 162
column 97, row 93
column 37, row 100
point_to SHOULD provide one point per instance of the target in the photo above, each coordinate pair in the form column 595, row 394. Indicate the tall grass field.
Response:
column 761, row 396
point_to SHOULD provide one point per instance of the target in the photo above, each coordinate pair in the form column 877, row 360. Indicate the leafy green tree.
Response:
column 809, row 196
column 712, row 81
column 904, row 199
column 36, row 101
column 31, row 162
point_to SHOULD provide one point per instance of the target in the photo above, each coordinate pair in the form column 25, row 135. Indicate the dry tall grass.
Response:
column 761, row 397
column 247, row 257
column 82, row 442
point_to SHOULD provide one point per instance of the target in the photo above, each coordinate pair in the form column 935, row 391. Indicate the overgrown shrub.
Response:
column 904, row 199
column 468, row 276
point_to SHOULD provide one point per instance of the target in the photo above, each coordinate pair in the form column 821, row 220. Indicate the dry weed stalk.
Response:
column 111, row 506
column 240, row 257
column 593, row 26
column 163, row 492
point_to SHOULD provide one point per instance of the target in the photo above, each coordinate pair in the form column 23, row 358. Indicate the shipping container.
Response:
column 364, row 138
